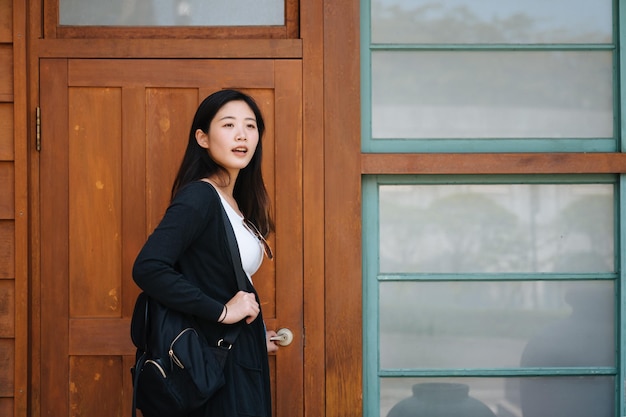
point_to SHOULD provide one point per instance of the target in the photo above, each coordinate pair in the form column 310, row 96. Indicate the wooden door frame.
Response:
column 342, row 197
column 102, row 332
column 21, row 210
column 329, row 49
column 52, row 29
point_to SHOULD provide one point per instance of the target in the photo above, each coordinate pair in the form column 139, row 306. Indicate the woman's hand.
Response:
column 242, row 305
column 271, row 345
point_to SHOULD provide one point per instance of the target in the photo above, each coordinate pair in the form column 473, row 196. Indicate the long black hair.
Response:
column 249, row 191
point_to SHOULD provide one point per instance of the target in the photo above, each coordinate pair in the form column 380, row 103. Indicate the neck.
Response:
column 225, row 183
column 226, row 191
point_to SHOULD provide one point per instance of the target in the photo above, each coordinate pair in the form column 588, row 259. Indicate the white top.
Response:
column 249, row 245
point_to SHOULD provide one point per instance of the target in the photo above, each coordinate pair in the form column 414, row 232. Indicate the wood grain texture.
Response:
column 234, row 73
column 54, row 168
column 6, row 407
column 343, row 332
column 7, row 249
column 7, row 190
column 95, row 204
column 23, row 253
column 95, row 383
column 7, row 367
column 289, row 241
column 170, row 48
column 491, row 163
column 6, row 21
column 133, row 191
column 101, row 337
column 7, row 308
column 7, row 147
column 6, row 70
column 312, row 32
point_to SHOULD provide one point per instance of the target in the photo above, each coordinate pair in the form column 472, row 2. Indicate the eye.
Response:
column 228, row 125
column 251, row 126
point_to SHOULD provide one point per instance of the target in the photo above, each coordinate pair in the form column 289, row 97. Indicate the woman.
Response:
column 186, row 262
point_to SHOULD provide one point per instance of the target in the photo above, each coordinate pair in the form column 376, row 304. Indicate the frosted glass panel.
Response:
column 590, row 396
column 496, row 228
column 542, row 94
column 496, row 324
column 491, row 21
column 172, row 12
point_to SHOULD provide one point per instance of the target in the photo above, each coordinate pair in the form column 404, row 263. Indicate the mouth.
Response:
column 242, row 150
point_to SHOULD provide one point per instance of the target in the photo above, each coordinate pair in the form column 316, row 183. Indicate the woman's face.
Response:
column 233, row 136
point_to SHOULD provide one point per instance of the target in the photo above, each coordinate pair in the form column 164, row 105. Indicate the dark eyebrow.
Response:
column 232, row 117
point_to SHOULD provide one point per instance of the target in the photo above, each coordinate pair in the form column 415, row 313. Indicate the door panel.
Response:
column 114, row 132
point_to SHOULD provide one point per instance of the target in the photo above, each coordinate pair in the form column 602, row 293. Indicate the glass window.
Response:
column 487, row 293
column 496, row 324
column 172, row 13
column 491, row 21
column 488, row 94
column 453, row 228
column 503, row 289
column 553, row 396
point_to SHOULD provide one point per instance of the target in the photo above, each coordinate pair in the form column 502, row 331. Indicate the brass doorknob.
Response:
column 283, row 337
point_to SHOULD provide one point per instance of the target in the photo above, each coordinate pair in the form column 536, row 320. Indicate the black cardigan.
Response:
column 186, row 265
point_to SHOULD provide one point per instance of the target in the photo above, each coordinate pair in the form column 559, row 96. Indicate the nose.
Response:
column 241, row 135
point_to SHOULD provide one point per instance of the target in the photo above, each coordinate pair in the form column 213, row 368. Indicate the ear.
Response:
column 202, row 139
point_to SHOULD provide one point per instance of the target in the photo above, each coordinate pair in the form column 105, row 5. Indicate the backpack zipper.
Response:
column 173, row 357
column 158, row 367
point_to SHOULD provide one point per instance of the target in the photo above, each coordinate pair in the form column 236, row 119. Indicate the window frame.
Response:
column 373, row 278
column 451, row 145
column 52, row 28
column 388, row 159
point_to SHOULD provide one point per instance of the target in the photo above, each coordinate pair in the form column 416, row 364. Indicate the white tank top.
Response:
column 249, row 246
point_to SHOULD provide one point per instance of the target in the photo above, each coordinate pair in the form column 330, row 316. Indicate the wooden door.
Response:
column 113, row 134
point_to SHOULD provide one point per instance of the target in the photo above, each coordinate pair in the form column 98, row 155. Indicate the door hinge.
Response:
column 38, row 130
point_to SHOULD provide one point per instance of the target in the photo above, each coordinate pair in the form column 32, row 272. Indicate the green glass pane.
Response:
column 457, row 228
column 490, row 324
column 491, row 95
column 172, row 13
column 589, row 396
column 491, row 21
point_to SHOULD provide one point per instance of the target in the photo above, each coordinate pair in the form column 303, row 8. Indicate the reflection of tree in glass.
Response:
column 588, row 244
column 463, row 232
column 477, row 233
column 502, row 78
column 477, row 78
column 401, row 236
column 97, row 12
column 432, row 22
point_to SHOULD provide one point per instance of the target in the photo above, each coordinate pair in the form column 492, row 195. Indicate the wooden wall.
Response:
column 7, row 213
column 13, row 214
column 330, row 56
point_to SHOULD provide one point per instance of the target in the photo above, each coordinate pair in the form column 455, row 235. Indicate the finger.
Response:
column 250, row 319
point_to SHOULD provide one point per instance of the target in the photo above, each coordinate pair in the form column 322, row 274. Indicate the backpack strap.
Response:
column 143, row 348
column 242, row 280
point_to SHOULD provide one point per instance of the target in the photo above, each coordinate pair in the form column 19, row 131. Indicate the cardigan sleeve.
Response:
column 155, row 269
